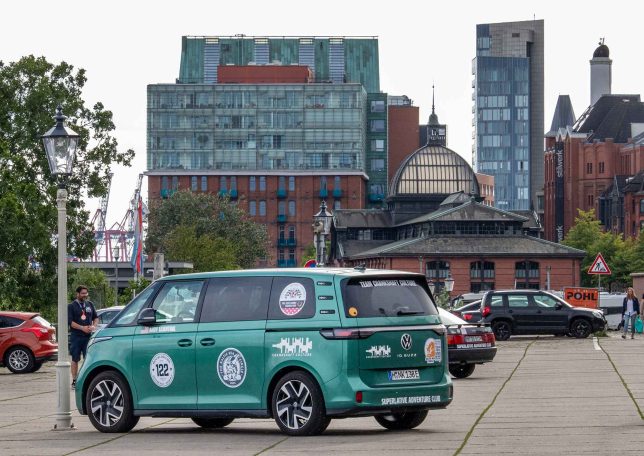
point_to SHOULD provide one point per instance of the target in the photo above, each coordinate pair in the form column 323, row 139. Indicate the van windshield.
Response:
column 386, row 297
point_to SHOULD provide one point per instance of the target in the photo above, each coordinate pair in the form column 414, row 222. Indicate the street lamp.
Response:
column 60, row 145
column 116, row 252
column 321, row 228
column 449, row 283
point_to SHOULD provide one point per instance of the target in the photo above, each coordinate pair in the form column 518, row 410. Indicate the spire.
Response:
column 432, row 98
column 433, row 118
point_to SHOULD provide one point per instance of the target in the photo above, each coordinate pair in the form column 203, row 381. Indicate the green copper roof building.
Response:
column 331, row 59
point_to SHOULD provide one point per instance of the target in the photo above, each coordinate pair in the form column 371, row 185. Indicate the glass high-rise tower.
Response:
column 508, row 111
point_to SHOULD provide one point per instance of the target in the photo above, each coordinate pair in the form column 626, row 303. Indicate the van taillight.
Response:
column 344, row 333
column 486, row 311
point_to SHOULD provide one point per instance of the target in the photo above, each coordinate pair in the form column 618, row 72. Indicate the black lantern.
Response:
column 60, row 144
column 323, row 219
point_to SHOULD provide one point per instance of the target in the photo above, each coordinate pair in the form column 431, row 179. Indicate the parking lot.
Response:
column 541, row 395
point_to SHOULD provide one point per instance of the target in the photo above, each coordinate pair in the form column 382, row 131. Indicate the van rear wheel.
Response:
column 401, row 421
column 212, row 423
column 462, row 370
column 298, row 405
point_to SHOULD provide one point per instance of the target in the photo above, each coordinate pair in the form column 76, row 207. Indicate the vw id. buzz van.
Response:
column 302, row 346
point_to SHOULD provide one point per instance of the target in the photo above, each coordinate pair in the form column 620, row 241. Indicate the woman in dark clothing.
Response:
column 630, row 309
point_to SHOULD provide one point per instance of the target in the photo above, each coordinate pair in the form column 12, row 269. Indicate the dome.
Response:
column 601, row 51
column 433, row 170
column 433, row 119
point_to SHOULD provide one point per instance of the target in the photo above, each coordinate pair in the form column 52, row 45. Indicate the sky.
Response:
column 126, row 45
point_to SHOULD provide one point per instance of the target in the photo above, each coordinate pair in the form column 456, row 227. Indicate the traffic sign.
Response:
column 599, row 266
column 310, row 264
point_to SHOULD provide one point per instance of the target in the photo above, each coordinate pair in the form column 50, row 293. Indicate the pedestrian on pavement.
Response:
column 630, row 309
column 83, row 320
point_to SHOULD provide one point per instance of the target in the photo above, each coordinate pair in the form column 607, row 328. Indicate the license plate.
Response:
column 473, row 338
column 406, row 374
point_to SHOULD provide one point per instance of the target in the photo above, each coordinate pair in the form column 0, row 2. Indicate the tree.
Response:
column 134, row 288
column 207, row 253
column 30, row 90
column 209, row 215
column 100, row 291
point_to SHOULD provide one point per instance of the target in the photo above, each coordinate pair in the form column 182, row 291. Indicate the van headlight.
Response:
column 95, row 340
column 598, row 313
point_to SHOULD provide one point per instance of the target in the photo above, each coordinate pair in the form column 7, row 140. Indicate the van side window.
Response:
column 131, row 312
column 236, row 299
column 292, row 298
column 177, row 301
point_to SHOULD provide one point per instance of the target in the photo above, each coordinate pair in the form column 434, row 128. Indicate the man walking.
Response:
column 82, row 319
column 630, row 309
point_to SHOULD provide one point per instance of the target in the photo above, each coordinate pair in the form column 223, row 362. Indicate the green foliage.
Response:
column 100, row 291
column 207, row 253
column 442, row 298
column 587, row 235
column 308, row 254
column 134, row 288
column 30, row 89
column 215, row 220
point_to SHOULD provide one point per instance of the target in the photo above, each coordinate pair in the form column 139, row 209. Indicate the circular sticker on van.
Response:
column 162, row 370
column 353, row 312
column 231, row 367
column 292, row 299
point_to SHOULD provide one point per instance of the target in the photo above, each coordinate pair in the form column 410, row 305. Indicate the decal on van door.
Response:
column 162, row 370
column 433, row 351
column 231, row 367
column 292, row 299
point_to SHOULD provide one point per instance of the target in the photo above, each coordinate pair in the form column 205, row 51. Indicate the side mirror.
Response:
column 558, row 306
column 147, row 317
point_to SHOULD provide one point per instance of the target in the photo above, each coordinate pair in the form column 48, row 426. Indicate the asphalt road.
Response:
column 541, row 396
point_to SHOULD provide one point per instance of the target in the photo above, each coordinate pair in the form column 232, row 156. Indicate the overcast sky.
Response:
column 126, row 45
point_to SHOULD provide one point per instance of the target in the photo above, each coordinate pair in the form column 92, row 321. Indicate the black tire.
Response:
column 502, row 330
column 462, row 370
column 37, row 365
column 401, row 421
column 108, row 402
column 19, row 360
column 212, row 423
column 580, row 328
column 298, row 405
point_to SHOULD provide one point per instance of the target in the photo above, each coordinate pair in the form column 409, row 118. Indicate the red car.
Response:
column 26, row 341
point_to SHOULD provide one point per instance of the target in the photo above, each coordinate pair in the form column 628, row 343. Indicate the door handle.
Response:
column 184, row 343
column 208, row 341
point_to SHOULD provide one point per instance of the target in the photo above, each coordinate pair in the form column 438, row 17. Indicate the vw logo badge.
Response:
column 405, row 341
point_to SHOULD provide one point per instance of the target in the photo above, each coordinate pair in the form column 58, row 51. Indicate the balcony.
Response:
column 286, row 242
column 281, row 193
column 285, row 263
column 376, row 197
column 324, row 193
column 281, row 218
column 337, row 192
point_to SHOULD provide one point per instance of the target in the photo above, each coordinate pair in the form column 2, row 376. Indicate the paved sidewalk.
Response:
column 545, row 396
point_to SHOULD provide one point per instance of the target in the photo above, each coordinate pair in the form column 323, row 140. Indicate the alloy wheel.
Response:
column 294, row 404
column 107, row 403
column 19, row 359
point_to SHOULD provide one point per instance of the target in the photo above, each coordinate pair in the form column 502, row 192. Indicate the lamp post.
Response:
column 60, row 145
column 116, row 252
column 321, row 228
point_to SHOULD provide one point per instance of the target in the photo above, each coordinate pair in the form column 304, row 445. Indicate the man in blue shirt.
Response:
column 83, row 320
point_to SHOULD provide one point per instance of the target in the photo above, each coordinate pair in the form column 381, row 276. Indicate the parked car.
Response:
column 466, row 298
column 467, row 344
column 27, row 340
column 470, row 312
column 537, row 312
column 301, row 346
column 107, row 314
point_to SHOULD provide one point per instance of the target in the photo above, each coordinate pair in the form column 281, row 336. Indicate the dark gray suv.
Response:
column 514, row 312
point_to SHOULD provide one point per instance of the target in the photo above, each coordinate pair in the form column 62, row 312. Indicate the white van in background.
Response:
column 612, row 304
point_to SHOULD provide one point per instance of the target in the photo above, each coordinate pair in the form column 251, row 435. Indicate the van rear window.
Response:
column 387, row 297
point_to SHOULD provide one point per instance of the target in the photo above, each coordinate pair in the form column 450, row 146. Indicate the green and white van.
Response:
column 299, row 345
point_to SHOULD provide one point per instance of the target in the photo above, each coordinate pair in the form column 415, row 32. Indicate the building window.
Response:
column 378, row 106
column 281, row 208
column 591, row 200
column 291, row 183
column 233, row 183
column 223, row 186
column 175, row 183
column 252, row 208
column 291, row 256
column 281, row 184
column 204, row 183
column 642, row 206
column 589, row 168
column 437, row 270
column 291, row 208
column 193, row 183
column 377, row 164
column 526, row 270
column 252, row 184
column 601, row 167
column 337, row 205
column 480, row 270
column 377, row 125
column 291, row 232
column 323, row 183
column 262, row 183
column 164, row 183
column 377, row 145
column 281, row 232
column 262, row 208
column 336, row 183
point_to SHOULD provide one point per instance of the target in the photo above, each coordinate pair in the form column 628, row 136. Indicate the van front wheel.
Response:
column 298, row 405
column 401, row 421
